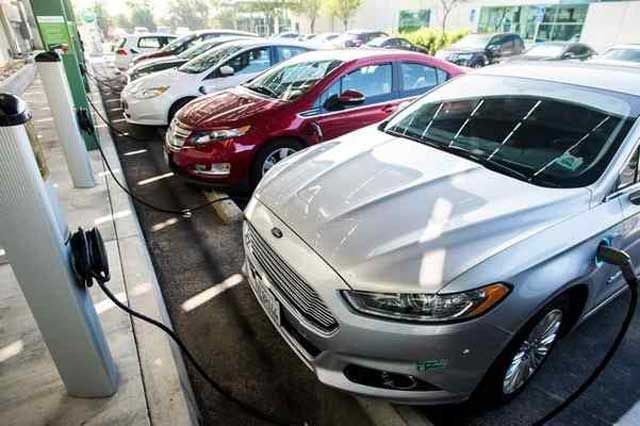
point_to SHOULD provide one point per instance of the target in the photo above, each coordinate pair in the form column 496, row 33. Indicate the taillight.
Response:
column 121, row 51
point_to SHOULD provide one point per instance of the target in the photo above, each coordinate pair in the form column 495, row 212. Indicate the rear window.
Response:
column 548, row 141
column 149, row 42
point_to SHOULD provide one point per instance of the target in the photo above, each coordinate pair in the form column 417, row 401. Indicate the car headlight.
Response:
column 150, row 92
column 428, row 308
column 202, row 138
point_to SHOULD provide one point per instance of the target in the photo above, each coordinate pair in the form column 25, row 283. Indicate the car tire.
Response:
column 176, row 107
column 500, row 385
column 276, row 150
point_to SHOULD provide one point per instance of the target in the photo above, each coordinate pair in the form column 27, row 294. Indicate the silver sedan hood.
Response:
column 389, row 214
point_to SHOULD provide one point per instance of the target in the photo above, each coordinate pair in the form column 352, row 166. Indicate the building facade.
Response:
column 600, row 24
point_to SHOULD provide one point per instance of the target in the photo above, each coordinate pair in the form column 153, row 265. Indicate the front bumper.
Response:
column 448, row 360
column 147, row 112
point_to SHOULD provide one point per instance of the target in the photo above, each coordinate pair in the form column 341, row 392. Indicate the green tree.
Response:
column 310, row 9
column 103, row 19
column 343, row 10
column 141, row 14
column 123, row 21
column 271, row 9
column 193, row 14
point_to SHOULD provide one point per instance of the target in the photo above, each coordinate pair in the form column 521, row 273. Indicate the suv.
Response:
column 133, row 45
column 479, row 50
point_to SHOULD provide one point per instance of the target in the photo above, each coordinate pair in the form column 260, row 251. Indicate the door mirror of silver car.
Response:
column 226, row 71
column 634, row 198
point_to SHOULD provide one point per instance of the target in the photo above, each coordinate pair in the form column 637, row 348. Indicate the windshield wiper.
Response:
column 263, row 90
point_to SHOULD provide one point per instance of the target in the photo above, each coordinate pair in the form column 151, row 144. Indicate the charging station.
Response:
column 55, row 21
column 33, row 233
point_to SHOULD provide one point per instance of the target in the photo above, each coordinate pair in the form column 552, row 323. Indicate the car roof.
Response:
column 227, row 32
column 613, row 78
column 138, row 35
column 631, row 46
column 348, row 55
column 259, row 42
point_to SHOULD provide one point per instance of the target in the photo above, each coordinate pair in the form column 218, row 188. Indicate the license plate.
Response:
column 264, row 295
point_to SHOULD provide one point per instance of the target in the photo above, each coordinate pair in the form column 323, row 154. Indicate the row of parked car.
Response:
column 443, row 238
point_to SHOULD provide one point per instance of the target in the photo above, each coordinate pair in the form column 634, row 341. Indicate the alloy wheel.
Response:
column 274, row 157
column 532, row 352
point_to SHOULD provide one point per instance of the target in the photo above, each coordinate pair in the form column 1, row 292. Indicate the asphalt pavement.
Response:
column 198, row 262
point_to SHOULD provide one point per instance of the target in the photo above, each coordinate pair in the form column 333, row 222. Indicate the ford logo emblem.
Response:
column 276, row 232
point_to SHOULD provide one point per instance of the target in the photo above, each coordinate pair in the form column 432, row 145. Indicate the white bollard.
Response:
column 35, row 247
column 58, row 93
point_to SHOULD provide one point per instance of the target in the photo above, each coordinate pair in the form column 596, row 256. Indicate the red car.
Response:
column 230, row 139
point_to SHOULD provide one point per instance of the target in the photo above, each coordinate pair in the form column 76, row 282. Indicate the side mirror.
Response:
column 351, row 98
column 226, row 71
column 202, row 90
column 568, row 55
column 347, row 98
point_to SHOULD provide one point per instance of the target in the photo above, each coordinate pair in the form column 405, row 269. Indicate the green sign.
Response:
column 410, row 20
column 53, row 30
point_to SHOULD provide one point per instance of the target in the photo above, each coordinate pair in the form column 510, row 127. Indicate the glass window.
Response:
column 545, row 141
column 290, row 81
column 404, row 43
column 629, row 174
column 251, row 62
column 333, row 90
column 288, row 52
column 149, row 42
column 417, row 76
column 207, row 60
column 371, row 80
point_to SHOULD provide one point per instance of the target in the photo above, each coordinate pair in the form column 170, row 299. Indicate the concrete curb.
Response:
column 168, row 390
column 383, row 413
column 18, row 82
column 227, row 211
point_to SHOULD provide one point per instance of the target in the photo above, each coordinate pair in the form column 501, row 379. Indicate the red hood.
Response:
column 225, row 108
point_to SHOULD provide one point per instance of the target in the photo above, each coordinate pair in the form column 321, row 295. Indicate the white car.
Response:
column 621, row 54
column 132, row 45
column 153, row 100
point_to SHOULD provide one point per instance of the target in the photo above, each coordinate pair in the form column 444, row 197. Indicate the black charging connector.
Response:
column 90, row 262
column 607, row 254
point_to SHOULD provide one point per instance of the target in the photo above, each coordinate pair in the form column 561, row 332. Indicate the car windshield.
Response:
column 377, row 42
column 290, row 81
column 473, row 41
column 198, row 49
column 565, row 139
column 546, row 50
column 630, row 55
column 175, row 43
column 208, row 59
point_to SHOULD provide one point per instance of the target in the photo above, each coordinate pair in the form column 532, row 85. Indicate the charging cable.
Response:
column 90, row 263
column 622, row 260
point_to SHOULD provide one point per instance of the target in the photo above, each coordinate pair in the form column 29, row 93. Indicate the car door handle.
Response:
column 634, row 198
column 388, row 109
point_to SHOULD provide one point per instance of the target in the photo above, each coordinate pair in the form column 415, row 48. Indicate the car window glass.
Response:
column 404, row 43
column 370, row 80
column 288, row 52
column 417, row 76
column 539, row 139
column 442, row 76
column 149, row 42
column 629, row 175
column 250, row 62
column 333, row 90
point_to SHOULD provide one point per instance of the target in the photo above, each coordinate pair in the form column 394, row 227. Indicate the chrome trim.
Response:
column 310, row 113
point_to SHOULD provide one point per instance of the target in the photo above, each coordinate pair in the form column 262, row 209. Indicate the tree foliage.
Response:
column 141, row 14
column 343, row 10
column 193, row 14
column 103, row 19
column 310, row 9
column 447, row 7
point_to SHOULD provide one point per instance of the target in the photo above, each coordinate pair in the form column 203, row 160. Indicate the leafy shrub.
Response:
column 433, row 39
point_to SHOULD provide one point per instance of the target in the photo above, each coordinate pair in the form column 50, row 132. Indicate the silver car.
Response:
column 441, row 254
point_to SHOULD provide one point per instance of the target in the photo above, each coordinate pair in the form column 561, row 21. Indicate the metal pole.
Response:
column 59, row 96
column 40, row 259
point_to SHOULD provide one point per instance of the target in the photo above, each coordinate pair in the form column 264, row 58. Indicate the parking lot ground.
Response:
column 198, row 263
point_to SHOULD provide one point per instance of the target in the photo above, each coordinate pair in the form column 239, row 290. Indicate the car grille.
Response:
column 288, row 283
column 178, row 133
